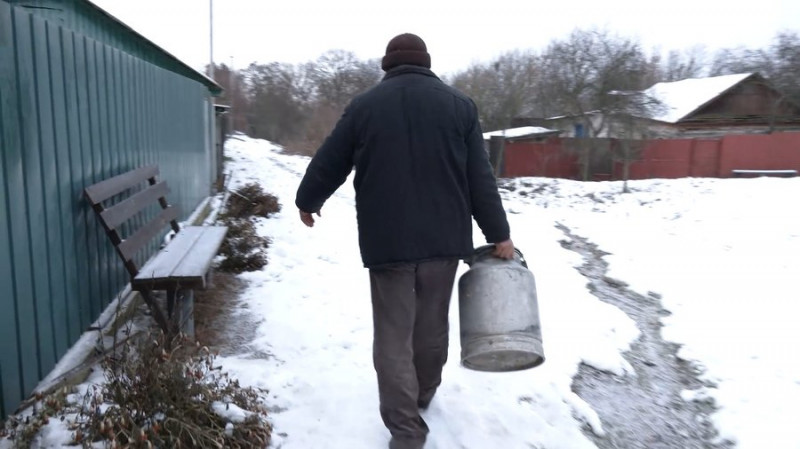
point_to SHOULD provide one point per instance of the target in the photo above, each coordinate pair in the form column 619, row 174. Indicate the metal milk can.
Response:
column 499, row 314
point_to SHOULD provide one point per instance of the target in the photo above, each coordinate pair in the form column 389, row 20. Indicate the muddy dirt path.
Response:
column 221, row 319
column 645, row 411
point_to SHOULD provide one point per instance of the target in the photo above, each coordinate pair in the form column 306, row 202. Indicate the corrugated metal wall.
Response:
column 74, row 111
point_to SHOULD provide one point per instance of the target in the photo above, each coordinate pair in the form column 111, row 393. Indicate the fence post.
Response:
column 496, row 149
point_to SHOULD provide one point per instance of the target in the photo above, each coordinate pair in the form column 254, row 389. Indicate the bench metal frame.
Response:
column 179, row 267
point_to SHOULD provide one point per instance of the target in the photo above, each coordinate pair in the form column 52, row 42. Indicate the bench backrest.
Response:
column 140, row 189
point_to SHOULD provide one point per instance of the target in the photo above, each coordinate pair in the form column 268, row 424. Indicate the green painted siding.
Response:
column 89, row 20
column 75, row 110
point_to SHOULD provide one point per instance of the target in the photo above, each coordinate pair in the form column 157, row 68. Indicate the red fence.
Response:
column 547, row 159
column 663, row 158
column 760, row 152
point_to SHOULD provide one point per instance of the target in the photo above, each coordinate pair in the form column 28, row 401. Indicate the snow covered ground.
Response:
column 723, row 254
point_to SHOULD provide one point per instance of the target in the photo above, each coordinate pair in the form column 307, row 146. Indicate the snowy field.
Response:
column 723, row 254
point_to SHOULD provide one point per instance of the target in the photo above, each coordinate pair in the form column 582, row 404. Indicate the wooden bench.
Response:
column 181, row 266
column 751, row 173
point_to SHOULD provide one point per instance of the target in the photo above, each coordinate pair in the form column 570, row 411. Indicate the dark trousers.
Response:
column 410, row 304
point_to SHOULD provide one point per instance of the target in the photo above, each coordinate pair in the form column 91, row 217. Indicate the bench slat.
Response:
column 195, row 265
column 130, row 246
column 103, row 190
column 122, row 211
column 160, row 267
column 184, row 262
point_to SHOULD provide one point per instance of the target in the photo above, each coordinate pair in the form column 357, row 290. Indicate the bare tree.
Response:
column 339, row 75
column 502, row 89
column 480, row 84
column 297, row 105
column 681, row 65
column 234, row 95
column 333, row 79
column 631, row 112
column 785, row 52
column 279, row 101
column 580, row 71
column 740, row 60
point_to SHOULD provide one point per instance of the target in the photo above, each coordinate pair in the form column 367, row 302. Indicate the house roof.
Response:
column 521, row 132
column 570, row 116
column 680, row 99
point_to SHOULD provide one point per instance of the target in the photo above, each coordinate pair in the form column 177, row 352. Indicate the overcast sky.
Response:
column 457, row 32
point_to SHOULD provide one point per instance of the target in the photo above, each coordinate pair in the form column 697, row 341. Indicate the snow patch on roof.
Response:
column 681, row 98
column 518, row 132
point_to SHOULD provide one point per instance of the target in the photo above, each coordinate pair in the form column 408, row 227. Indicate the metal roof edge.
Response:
column 212, row 85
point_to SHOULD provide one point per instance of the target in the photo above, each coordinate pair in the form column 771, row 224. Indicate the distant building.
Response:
column 698, row 107
column 533, row 133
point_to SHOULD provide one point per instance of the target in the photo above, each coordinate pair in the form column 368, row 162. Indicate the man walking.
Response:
column 422, row 174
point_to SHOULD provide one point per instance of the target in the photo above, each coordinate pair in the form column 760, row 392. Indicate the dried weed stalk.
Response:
column 157, row 397
column 243, row 249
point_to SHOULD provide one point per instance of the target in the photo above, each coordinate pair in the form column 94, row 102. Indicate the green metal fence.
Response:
column 73, row 111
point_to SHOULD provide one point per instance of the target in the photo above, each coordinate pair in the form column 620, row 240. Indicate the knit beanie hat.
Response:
column 406, row 48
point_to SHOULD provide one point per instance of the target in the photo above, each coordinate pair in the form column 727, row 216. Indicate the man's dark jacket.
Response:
column 421, row 170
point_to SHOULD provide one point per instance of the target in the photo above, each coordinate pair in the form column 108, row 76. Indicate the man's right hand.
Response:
column 308, row 218
column 504, row 250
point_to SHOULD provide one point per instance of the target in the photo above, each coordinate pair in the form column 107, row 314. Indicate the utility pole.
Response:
column 232, row 84
column 216, row 142
column 211, row 38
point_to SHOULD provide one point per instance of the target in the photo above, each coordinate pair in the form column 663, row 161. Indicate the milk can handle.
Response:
column 486, row 250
